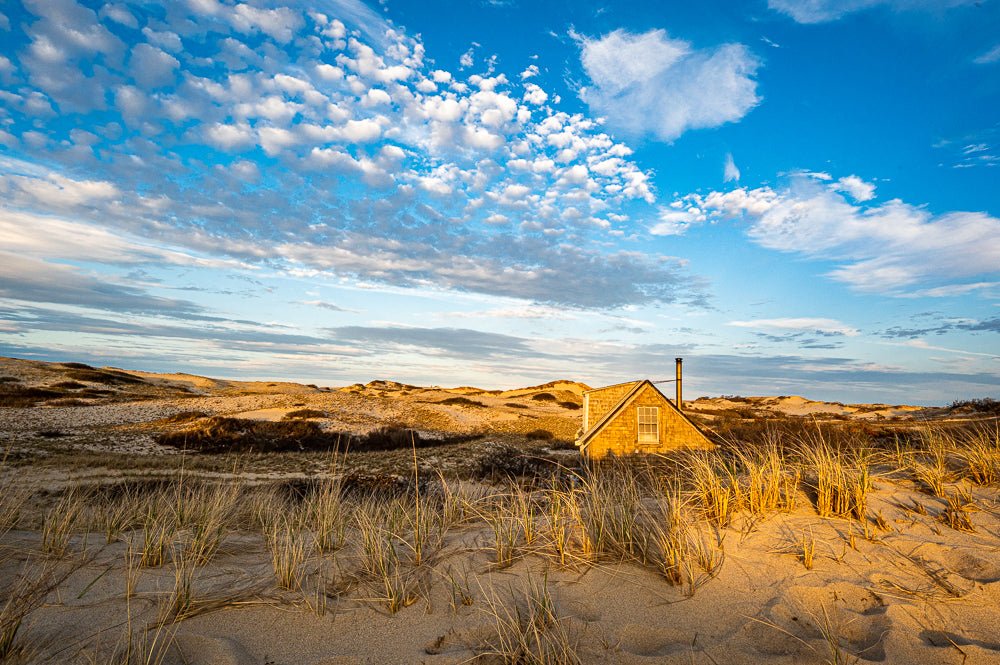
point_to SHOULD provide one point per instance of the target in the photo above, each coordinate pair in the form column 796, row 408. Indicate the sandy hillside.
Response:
column 54, row 413
column 505, row 549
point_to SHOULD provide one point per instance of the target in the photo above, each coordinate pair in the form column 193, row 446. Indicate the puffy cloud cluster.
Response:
column 317, row 136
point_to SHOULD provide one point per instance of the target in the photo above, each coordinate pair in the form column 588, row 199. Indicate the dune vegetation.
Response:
column 821, row 543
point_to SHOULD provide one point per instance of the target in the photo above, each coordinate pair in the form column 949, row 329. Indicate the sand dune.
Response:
column 913, row 576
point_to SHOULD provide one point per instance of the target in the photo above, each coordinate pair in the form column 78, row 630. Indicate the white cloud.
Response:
column 922, row 344
column 465, row 61
column 329, row 72
column 56, row 191
column 989, row 57
column 230, row 137
column 858, row 189
column 881, row 248
column 487, row 167
column 533, row 94
column 119, row 14
column 152, row 67
column 952, row 290
column 165, row 39
column 730, row 172
column 43, row 236
column 675, row 222
column 278, row 23
column 823, row 11
column 803, row 324
column 517, row 312
column 651, row 84
column 360, row 131
column 275, row 139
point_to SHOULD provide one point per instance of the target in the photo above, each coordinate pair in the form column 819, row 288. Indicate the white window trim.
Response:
column 639, row 424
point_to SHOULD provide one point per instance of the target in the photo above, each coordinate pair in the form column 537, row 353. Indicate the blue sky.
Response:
column 796, row 197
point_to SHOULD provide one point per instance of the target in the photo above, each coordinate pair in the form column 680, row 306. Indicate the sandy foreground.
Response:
column 903, row 584
column 917, row 592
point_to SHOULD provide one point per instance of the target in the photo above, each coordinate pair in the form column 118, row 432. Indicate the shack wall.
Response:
column 603, row 400
column 621, row 435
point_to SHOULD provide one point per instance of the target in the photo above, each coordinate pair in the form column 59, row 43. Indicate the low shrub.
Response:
column 219, row 434
column 461, row 401
column 980, row 405
column 185, row 416
column 304, row 414
column 94, row 392
column 562, row 444
column 401, row 438
column 105, row 376
column 540, row 435
column 572, row 406
column 515, row 405
column 544, row 397
column 502, row 461
column 68, row 385
column 20, row 396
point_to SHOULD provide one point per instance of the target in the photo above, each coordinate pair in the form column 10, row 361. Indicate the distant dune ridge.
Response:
column 38, row 374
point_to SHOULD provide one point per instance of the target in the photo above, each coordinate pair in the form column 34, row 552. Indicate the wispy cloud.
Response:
column 940, row 328
column 823, row 11
column 883, row 248
column 32, row 280
column 821, row 326
column 989, row 57
column 730, row 172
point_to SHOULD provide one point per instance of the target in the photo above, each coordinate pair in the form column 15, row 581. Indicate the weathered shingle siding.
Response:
column 621, row 435
column 603, row 400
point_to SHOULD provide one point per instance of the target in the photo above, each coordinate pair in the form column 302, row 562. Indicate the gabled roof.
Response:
column 624, row 402
column 613, row 385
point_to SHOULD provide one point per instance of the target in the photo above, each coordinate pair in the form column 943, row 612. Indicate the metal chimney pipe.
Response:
column 680, row 404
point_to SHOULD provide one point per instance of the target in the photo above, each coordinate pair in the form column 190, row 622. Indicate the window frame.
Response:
column 643, row 437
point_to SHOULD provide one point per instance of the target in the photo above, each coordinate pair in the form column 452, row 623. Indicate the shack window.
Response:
column 649, row 421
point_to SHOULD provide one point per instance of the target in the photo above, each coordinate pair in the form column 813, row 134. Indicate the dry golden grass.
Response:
column 158, row 529
column 287, row 545
column 59, row 523
column 20, row 597
column 809, row 550
column 386, row 545
column 526, row 629
column 842, row 480
column 957, row 513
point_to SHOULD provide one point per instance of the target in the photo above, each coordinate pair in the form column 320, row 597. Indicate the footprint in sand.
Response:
column 204, row 650
column 645, row 640
column 854, row 614
column 972, row 567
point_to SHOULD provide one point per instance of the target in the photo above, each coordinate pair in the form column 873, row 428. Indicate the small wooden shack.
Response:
column 634, row 417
